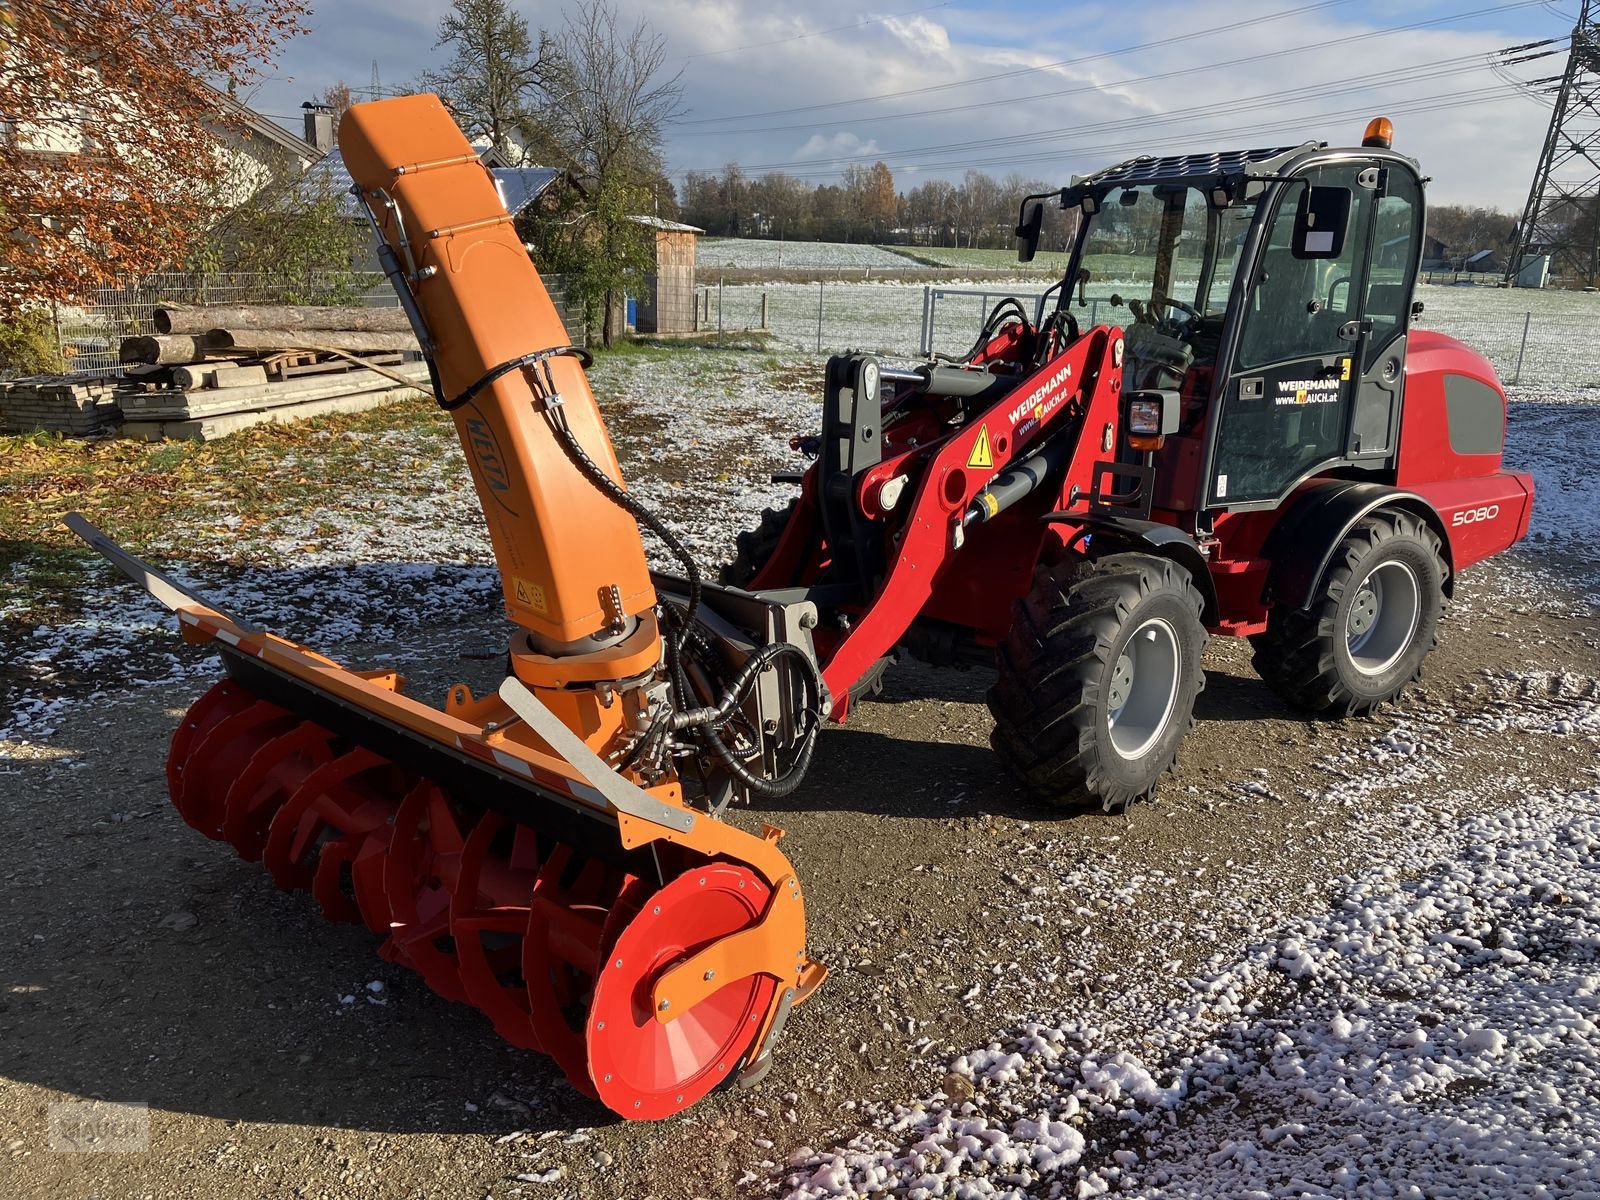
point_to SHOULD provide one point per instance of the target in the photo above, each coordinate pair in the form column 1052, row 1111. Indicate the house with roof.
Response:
column 254, row 149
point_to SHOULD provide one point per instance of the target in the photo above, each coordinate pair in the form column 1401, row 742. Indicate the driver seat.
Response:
column 1155, row 360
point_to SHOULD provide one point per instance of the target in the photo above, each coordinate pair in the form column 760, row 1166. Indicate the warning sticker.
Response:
column 1345, row 376
column 530, row 594
column 982, row 456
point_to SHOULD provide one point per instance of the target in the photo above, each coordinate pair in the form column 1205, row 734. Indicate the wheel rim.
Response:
column 1383, row 617
column 1144, row 688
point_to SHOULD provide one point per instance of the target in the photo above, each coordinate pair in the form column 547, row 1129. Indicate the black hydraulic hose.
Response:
column 707, row 722
column 515, row 364
column 718, row 715
column 783, row 785
column 625, row 500
column 608, row 487
column 991, row 326
column 636, row 508
column 695, row 638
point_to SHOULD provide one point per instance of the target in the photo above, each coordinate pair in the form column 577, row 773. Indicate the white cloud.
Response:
column 841, row 144
column 922, row 36
column 1482, row 154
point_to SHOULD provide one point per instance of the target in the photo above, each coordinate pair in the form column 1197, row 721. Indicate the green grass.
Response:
column 145, row 491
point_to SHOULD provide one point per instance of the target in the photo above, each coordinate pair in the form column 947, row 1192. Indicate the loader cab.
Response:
column 1271, row 290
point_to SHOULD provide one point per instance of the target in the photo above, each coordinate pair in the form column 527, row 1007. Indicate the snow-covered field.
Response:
column 763, row 252
column 1562, row 350
column 986, row 260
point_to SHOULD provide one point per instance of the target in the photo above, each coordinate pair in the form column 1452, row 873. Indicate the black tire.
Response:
column 755, row 546
column 1069, row 652
column 1323, row 658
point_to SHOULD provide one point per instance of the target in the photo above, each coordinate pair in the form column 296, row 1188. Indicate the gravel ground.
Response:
column 1352, row 958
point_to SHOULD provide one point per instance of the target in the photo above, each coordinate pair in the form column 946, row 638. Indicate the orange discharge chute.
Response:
column 571, row 562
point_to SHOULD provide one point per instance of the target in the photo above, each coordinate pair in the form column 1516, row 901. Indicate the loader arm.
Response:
column 1063, row 414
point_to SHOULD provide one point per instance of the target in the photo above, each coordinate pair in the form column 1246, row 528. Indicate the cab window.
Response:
column 1394, row 262
column 1297, row 305
column 1287, row 404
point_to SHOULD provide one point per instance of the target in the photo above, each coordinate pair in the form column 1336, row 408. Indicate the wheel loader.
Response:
column 1257, row 444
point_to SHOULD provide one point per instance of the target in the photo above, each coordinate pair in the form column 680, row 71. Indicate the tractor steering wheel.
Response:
column 1169, row 302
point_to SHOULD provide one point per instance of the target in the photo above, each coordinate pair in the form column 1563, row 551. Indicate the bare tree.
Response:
column 337, row 97
column 493, row 82
column 607, row 106
column 607, row 109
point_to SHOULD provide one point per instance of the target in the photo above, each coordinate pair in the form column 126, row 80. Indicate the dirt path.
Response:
column 144, row 964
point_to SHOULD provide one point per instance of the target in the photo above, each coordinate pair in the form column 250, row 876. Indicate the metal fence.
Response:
column 90, row 337
column 1533, row 338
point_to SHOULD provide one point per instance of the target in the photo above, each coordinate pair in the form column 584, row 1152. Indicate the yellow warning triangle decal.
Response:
column 982, row 456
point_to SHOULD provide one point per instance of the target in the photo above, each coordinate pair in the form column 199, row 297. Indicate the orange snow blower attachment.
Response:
column 552, row 854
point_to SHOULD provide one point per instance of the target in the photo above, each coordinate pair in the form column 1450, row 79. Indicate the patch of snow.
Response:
column 1430, row 1031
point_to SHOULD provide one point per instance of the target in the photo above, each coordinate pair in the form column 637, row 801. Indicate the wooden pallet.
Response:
column 286, row 362
column 333, row 366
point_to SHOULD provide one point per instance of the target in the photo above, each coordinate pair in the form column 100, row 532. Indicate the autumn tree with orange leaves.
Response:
column 109, row 125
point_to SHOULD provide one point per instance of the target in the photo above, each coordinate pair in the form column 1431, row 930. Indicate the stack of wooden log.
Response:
column 213, row 370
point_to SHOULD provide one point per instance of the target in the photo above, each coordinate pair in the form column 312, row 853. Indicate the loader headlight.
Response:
column 1149, row 416
column 1145, row 416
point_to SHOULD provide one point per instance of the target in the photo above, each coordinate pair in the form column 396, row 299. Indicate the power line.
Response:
column 1421, row 71
column 1149, row 144
column 1231, row 27
column 1097, row 87
column 1313, row 91
column 1422, row 104
column 1128, row 82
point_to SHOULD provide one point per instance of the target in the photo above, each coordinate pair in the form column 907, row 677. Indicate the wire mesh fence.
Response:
column 1533, row 338
column 90, row 336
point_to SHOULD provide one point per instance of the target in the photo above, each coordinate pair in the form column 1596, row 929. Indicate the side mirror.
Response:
column 1321, row 222
column 1029, row 227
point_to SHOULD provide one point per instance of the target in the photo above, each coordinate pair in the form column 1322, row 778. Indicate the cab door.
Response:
column 1290, row 397
column 1386, row 313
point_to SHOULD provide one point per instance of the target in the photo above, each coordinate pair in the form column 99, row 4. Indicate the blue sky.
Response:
column 1044, row 89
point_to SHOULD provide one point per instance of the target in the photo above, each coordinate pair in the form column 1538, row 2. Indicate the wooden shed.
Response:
column 666, row 301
